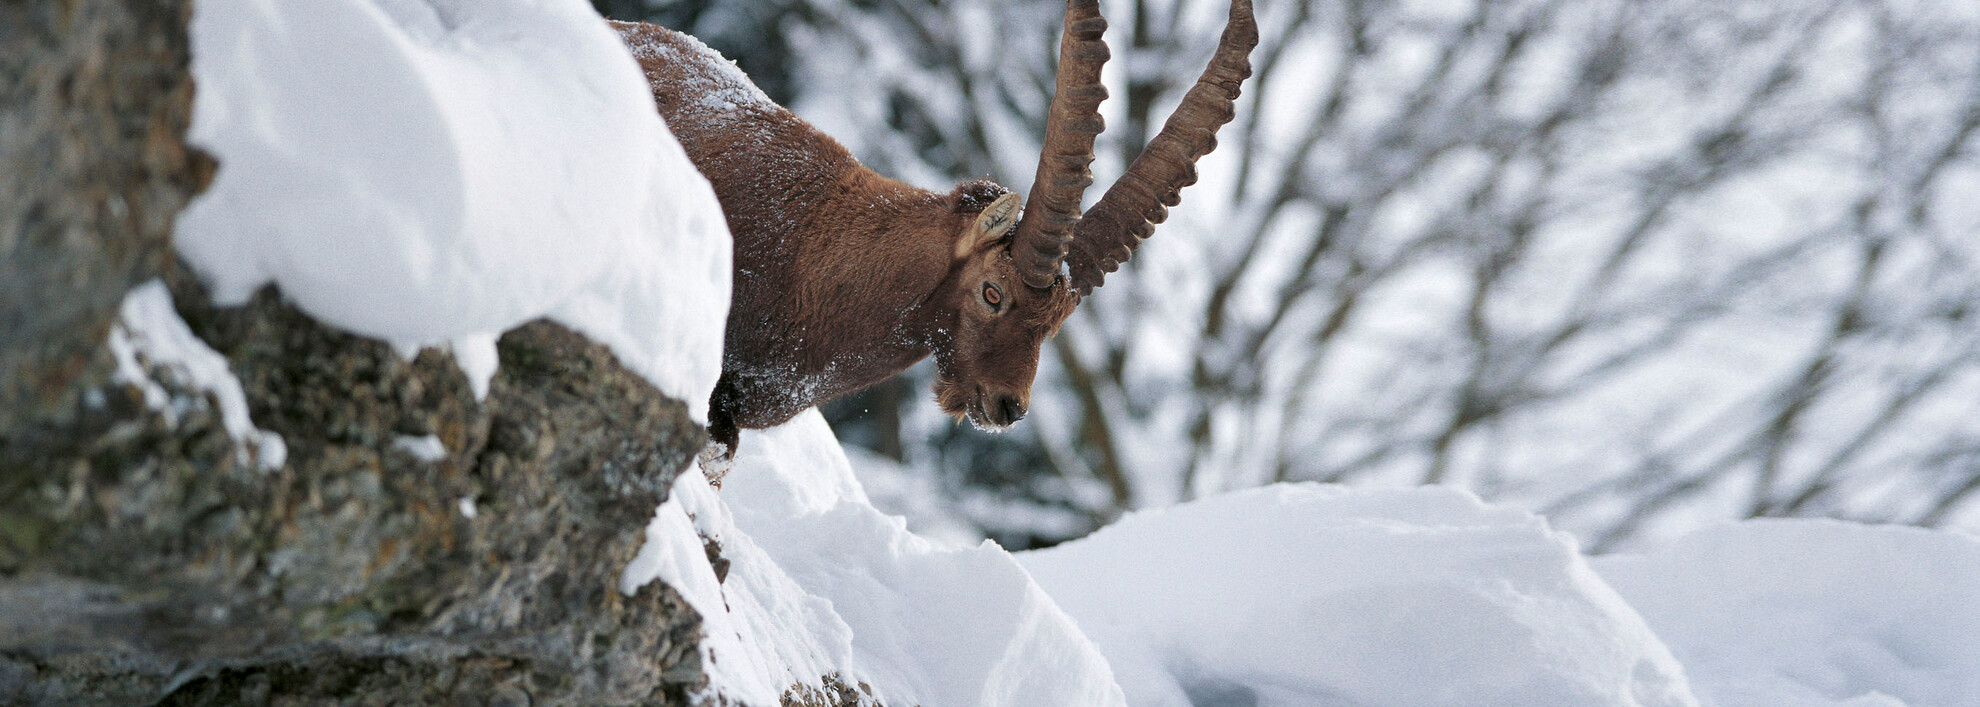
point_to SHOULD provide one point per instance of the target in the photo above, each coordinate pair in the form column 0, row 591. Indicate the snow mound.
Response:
column 764, row 633
column 439, row 171
column 915, row 496
column 821, row 580
column 1305, row 594
column 1805, row 613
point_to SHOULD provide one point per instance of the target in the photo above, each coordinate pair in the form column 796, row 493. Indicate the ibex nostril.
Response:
column 1010, row 408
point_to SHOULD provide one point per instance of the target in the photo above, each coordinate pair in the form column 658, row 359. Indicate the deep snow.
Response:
column 817, row 572
column 1311, row 595
column 371, row 169
column 1815, row 613
column 437, row 172
column 1302, row 594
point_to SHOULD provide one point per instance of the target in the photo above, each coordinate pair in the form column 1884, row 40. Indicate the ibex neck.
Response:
column 848, row 262
column 892, row 241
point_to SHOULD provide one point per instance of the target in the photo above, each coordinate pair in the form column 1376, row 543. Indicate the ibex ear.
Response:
column 991, row 225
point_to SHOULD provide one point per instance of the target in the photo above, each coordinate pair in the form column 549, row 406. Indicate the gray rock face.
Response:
column 94, row 99
column 144, row 561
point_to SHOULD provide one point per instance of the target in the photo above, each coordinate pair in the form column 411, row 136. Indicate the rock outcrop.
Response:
column 417, row 546
column 94, row 101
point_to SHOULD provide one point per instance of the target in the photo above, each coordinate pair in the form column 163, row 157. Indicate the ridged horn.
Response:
column 1108, row 233
column 1052, row 209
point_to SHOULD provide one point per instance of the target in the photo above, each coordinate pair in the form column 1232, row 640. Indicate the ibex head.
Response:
column 1005, row 287
column 987, row 353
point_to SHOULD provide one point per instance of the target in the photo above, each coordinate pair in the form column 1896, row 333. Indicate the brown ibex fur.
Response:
column 844, row 277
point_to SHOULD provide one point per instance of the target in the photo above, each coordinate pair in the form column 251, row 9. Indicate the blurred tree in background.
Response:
column 1637, row 266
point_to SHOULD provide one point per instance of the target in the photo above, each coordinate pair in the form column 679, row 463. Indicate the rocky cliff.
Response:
column 415, row 546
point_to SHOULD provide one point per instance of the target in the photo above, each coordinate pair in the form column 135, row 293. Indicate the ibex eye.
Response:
column 992, row 296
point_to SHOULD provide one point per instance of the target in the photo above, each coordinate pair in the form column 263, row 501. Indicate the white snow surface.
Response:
column 1812, row 613
column 1322, row 595
column 1305, row 594
column 439, row 171
column 920, row 501
column 822, row 581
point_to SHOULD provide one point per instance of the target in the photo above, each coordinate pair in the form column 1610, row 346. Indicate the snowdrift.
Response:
column 440, row 172
column 1315, row 595
column 1814, row 613
column 437, row 172
column 1299, row 594
column 821, row 580
column 1306, row 595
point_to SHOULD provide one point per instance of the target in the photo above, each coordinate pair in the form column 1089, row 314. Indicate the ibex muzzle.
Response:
column 844, row 278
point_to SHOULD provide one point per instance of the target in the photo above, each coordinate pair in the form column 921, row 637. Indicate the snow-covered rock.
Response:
column 1808, row 613
column 439, row 171
column 1305, row 594
column 763, row 633
column 149, row 335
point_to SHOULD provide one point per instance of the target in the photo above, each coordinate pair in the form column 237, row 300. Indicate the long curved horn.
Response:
column 1053, row 208
column 1108, row 233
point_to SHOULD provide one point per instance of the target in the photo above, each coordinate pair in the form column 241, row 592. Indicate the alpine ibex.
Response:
column 844, row 278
